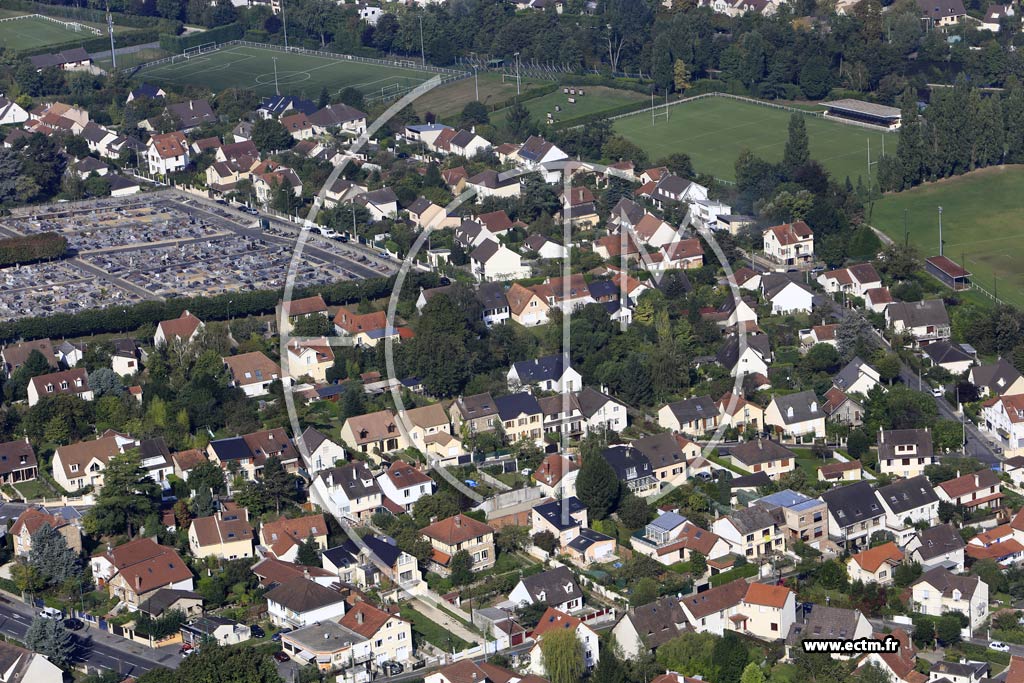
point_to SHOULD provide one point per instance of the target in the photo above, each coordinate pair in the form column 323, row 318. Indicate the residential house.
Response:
column 291, row 312
column 752, row 532
column 995, row 15
column 81, row 464
column 167, row 153
column 854, row 514
column 763, row 455
column 905, row 452
column 375, row 557
column 11, row 112
column 141, row 568
column 32, row 520
column 493, row 261
column 908, row 502
column 332, row 646
column 553, row 620
column 74, row 382
column 184, row 328
column 13, row 356
column 373, row 433
column 751, row 356
column 348, row 492
column 563, row 519
column 841, row 409
column 468, row 671
column 401, row 485
column 526, row 306
column 20, row 665
column 803, row 518
column 490, row 183
column 227, row 534
column 365, row 329
column 590, row 547
column 692, row 416
column 924, row 321
column 736, row 411
column 521, row 417
column 191, row 114
column 670, row 455
column 1002, row 418
column 300, row 602
column 17, row 462
column 768, row 611
column 633, row 469
column 943, row 13
column 938, row 591
column 670, row 538
column 424, row 213
column 824, row 621
column 855, row 280
column 458, row 533
column 796, row 415
column 309, row 359
column 250, row 452
column 899, row 666
column 555, row 588
column 833, row 472
column 556, row 476
column 213, row 629
column 423, row 422
column 342, row 191
column 269, row 177
column 875, row 565
column 381, row 204
column 820, row 334
column 996, row 544
column 538, row 154
column 642, row 630
column 977, row 491
column 786, row 294
column 276, row 105
column 282, row 537
column 340, row 117
column 951, row 358
column 600, row 411
column 996, row 379
column 789, row 244
column 713, row 610
column 254, row 372
column 545, row 247
column 474, row 414
column 937, row 546
column 579, row 206
column 389, row 636
column 857, row 377
column 549, row 373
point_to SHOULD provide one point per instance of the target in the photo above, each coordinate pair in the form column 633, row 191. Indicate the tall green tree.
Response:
column 53, row 558
column 278, row 484
column 562, row 656
column 309, row 553
column 49, row 637
column 797, row 151
column 129, row 495
column 597, row 486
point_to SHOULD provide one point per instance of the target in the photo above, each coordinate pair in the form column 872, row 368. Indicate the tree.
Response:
column 270, row 135
column 731, row 656
column 105, row 382
column 206, row 475
column 27, row 578
column 597, row 486
column 218, row 664
column 277, row 483
column 815, row 78
column 511, row 538
column 752, row 674
column 52, row 557
column 797, row 152
column 562, row 655
column 49, row 637
column 851, row 337
column 644, row 592
column 518, row 121
column 309, row 553
column 679, row 164
column 128, row 497
column 609, row 668
column 698, row 563
column 546, row 541
column 681, row 76
column 461, row 567
column 353, row 97
column 947, row 630
column 634, row 512
column 474, row 114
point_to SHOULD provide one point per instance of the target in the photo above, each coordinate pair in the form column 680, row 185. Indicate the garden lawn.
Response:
column 982, row 224
column 434, row 634
column 714, row 130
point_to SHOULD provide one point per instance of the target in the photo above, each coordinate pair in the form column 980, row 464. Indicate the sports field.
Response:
column 596, row 99
column 982, row 222
column 33, row 31
column 242, row 66
column 714, row 130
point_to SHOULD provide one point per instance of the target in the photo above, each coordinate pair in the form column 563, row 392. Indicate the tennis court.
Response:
column 267, row 71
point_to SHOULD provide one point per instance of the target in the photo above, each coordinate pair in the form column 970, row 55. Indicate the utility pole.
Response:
column 517, row 74
column 476, row 84
column 423, row 53
column 277, row 91
column 110, row 30
column 940, row 231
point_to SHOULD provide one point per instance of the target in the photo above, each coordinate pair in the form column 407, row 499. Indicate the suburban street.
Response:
column 97, row 649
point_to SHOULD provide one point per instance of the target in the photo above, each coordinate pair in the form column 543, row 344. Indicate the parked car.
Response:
column 281, row 656
column 704, row 476
column 73, row 624
column 51, row 613
column 938, row 392
column 999, row 646
column 256, row 631
column 277, row 636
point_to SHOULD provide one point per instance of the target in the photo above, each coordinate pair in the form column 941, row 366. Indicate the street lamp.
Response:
column 517, row 74
column 940, row 231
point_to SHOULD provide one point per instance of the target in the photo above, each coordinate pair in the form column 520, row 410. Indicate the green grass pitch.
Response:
column 982, row 224
column 596, row 99
column 31, row 32
column 302, row 75
column 714, row 130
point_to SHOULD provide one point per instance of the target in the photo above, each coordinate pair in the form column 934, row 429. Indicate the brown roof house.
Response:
column 457, row 533
column 390, row 636
column 81, row 464
column 74, row 382
column 282, row 538
column 32, row 520
column 253, row 372
column 373, row 433
column 299, row 602
column 184, row 328
column 13, row 356
column 138, row 569
column 17, row 462
column 227, row 535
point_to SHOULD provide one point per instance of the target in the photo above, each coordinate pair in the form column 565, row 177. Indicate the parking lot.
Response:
column 165, row 244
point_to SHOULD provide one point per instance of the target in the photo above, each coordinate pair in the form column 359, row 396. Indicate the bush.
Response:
column 220, row 34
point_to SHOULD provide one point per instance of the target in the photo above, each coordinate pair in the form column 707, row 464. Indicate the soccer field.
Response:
column 714, row 130
column 982, row 223
column 596, row 99
column 303, row 75
column 29, row 31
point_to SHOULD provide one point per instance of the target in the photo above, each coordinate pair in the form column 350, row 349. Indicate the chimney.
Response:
column 359, row 617
column 305, row 573
column 138, row 582
column 958, row 474
column 458, row 520
column 977, row 481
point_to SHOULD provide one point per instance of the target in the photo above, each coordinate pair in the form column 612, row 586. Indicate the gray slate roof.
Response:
column 905, row 495
column 553, row 587
column 804, row 405
column 853, row 503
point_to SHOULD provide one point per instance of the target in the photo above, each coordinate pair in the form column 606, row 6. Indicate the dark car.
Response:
column 281, row 656
column 73, row 624
column 277, row 636
column 257, row 632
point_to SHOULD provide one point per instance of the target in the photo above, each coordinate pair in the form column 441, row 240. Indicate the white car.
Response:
column 938, row 392
column 51, row 613
column 998, row 646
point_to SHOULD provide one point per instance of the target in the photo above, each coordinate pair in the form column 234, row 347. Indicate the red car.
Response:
column 281, row 656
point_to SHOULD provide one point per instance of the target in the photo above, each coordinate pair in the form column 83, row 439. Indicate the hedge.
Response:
column 219, row 307
column 221, row 34
column 32, row 248
column 746, row 571
column 93, row 15
column 97, row 43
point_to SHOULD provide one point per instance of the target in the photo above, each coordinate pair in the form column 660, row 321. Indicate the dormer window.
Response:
column 74, row 467
column 64, row 385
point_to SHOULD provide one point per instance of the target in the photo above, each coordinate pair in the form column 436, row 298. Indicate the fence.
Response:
column 70, row 25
